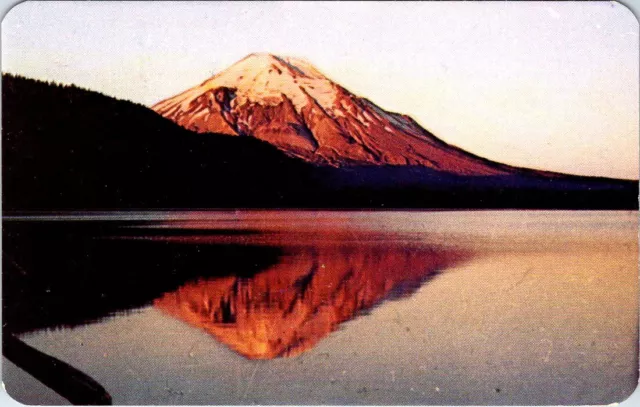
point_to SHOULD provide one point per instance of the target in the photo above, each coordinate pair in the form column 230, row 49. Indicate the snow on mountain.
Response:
column 290, row 104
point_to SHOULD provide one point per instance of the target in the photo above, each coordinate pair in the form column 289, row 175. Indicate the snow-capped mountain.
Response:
column 290, row 104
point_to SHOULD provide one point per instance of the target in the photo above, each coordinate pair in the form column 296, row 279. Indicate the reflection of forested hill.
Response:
column 289, row 307
column 67, row 274
column 69, row 148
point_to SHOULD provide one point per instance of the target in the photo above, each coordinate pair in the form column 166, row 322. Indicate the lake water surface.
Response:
column 304, row 307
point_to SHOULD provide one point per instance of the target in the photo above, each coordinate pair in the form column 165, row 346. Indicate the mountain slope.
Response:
column 290, row 104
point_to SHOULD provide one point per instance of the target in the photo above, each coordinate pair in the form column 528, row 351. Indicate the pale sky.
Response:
column 539, row 84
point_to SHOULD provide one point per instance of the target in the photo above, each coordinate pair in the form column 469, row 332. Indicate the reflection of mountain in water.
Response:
column 65, row 274
column 289, row 307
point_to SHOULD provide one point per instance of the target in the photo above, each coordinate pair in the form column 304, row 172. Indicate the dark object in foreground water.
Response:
column 64, row 379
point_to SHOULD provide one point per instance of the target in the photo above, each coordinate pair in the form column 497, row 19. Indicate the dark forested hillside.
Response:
column 68, row 148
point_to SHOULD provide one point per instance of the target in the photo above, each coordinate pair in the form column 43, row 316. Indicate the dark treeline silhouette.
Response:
column 70, row 148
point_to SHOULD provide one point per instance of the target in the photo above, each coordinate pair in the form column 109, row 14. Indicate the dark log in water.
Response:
column 64, row 379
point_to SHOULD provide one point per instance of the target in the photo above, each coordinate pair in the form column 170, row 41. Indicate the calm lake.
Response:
column 329, row 307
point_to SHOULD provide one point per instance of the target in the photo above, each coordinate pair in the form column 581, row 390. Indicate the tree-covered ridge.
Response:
column 67, row 147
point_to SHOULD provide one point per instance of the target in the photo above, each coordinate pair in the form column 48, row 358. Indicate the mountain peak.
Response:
column 293, row 66
column 264, row 77
column 289, row 103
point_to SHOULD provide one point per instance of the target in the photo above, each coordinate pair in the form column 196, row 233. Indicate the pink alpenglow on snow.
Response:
column 290, row 104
